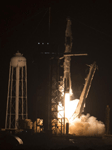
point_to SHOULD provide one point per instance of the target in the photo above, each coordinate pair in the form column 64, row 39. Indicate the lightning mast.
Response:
column 107, row 123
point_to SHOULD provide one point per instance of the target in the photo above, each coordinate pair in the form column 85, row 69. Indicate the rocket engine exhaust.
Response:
column 80, row 125
column 87, row 125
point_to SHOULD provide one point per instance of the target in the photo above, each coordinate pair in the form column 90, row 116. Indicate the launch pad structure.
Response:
column 59, row 85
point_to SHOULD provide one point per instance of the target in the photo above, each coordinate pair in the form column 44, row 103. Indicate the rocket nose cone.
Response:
column 68, row 18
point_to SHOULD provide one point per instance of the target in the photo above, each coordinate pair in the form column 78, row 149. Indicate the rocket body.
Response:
column 67, row 78
column 67, row 59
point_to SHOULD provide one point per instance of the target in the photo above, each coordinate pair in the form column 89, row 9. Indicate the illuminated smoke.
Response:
column 87, row 125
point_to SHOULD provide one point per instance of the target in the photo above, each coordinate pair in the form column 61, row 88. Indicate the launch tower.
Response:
column 59, row 85
column 17, row 92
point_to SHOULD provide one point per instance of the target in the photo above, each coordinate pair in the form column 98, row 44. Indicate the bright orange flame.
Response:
column 70, row 107
column 67, row 103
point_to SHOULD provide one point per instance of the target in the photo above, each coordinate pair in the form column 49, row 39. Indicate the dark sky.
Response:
column 24, row 24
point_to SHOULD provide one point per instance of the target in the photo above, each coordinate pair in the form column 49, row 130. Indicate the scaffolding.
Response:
column 56, row 124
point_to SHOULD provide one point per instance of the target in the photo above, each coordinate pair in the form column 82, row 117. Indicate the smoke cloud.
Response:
column 87, row 125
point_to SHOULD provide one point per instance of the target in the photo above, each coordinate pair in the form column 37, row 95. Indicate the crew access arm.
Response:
column 85, row 91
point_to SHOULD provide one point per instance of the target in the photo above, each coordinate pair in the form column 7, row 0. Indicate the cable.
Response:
column 40, row 22
column 37, row 26
column 23, row 22
column 93, row 28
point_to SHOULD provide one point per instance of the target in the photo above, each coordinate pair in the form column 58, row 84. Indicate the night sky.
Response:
column 24, row 24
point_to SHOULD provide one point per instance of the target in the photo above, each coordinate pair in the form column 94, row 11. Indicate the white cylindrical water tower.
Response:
column 17, row 92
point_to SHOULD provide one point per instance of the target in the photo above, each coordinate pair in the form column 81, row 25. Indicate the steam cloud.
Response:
column 87, row 125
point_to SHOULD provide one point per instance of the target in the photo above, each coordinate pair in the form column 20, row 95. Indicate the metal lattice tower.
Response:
column 56, row 124
column 58, row 86
column 17, row 92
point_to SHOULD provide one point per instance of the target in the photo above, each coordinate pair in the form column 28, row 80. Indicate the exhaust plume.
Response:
column 87, row 125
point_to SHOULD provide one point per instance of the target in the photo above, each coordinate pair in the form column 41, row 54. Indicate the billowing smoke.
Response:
column 87, row 125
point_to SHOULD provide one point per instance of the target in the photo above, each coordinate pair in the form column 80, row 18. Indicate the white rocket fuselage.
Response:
column 67, row 59
column 67, row 78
